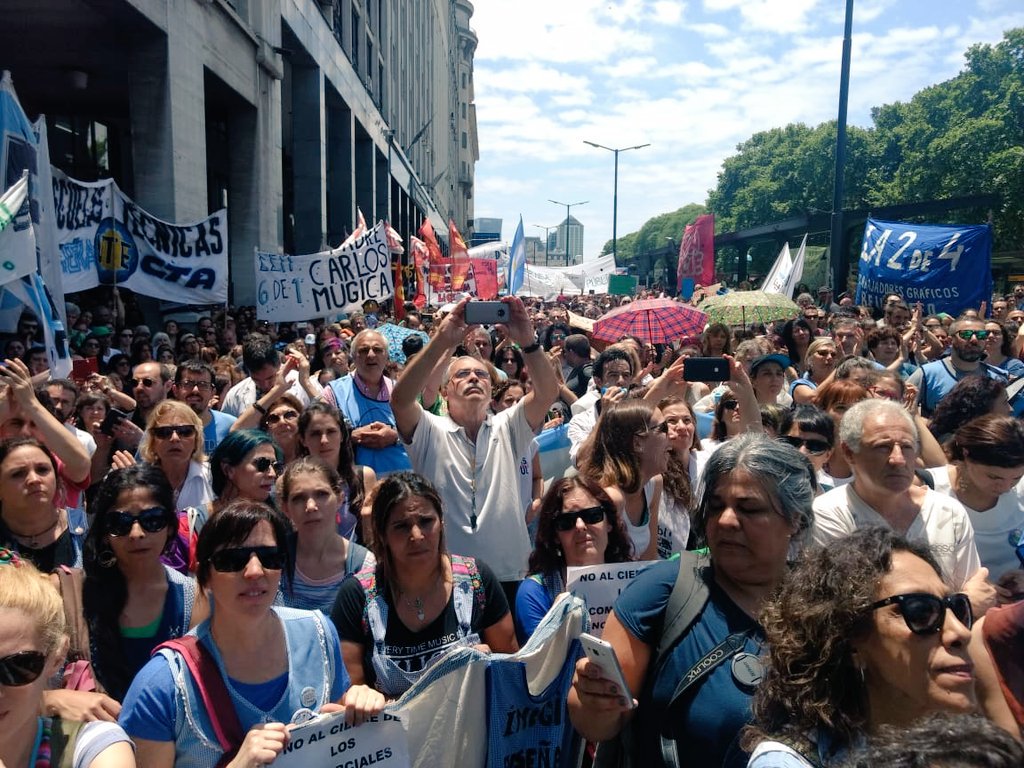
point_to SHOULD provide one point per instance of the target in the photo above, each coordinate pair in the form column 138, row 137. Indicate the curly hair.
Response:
column 970, row 398
column 547, row 555
column 677, row 476
column 811, row 680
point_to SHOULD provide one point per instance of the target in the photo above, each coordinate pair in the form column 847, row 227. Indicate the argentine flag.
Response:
column 517, row 261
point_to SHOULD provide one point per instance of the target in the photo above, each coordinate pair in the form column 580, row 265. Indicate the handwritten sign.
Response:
column 599, row 585
column 329, row 742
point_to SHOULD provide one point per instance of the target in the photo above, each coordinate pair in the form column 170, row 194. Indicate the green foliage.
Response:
column 655, row 234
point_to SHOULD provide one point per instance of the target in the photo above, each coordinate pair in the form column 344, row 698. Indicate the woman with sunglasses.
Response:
column 245, row 465
column 578, row 524
column 416, row 600
column 132, row 602
column 281, row 422
column 324, row 434
column 33, row 643
column 812, row 432
column 310, row 494
column 864, row 633
column 510, row 360
column 822, row 356
column 999, row 349
column 271, row 661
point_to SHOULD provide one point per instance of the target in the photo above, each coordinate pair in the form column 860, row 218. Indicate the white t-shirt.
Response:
column 993, row 527
column 942, row 524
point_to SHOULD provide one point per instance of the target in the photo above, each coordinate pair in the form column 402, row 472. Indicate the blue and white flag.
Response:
column 946, row 268
column 517, row 261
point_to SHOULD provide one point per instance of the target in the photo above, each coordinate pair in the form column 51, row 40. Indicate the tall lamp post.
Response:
column 567, row 207
column 546, row 230
column 615, row 189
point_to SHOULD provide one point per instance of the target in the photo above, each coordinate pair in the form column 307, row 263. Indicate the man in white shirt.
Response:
column 64, row 394
column 261, row 360
column 880, row 441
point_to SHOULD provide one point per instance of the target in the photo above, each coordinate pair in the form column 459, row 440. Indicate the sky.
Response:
column 693, row 79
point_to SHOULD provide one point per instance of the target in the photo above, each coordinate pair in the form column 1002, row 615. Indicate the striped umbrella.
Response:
column 657, row 321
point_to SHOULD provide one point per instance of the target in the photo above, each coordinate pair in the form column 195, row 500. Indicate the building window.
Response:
column 80, row 147
column 463, row 81
column 357, row 31
column 463, row 139
column 463, row 110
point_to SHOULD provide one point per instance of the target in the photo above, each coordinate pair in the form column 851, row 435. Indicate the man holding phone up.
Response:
column 471, row 456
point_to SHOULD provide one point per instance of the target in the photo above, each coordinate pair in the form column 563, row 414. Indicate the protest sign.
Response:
column 599, row 585
column 947, row 269
column 328, row 741
column 106, row 239
column 321, row 284
column 17, row 237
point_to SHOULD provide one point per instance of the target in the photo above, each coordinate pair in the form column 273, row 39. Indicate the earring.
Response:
column 106, row 558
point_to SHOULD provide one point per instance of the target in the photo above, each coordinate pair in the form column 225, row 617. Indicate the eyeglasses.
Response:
column 966, row 335
column 730, row 405
column 126, row 334
column 925, row 613
column 464, row 373
column 144, row 382
column 235, row 559
column 662, row 427
column 284, row 416
column 566, row 521
column 826, row 353
column 184, row 431
column 21, row 668
column 202, row 386
column 262, row 464
column 814, row 447
column 151, row 520
column 364, row 351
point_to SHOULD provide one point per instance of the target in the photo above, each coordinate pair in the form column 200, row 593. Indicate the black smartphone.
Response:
column 111, row 420
column 706, row 369
column 486, row 312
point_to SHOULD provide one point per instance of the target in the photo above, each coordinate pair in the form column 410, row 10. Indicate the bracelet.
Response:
column 259, row 408
column 532, row 347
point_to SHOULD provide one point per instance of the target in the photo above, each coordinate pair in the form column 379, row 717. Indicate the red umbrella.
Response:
column 658, row 321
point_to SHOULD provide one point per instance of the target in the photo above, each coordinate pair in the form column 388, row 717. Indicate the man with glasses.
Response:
column 880, row 441
column 934, row 380
column 263, row 361
column 613, row 374
column 151, row 384
column 364, row 399
column 194, row 386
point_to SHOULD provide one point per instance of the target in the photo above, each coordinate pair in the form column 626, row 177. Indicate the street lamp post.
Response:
column 615, row 189
column 567, row 207
column 546, row 230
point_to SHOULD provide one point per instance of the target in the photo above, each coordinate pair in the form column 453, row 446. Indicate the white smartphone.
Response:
column 603, row 656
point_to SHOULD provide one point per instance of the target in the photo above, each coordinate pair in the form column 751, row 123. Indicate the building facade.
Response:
column 291, row 113
column 568, row 248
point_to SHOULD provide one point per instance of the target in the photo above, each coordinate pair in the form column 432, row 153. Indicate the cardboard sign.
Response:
column 329, row 742
column 599, row 585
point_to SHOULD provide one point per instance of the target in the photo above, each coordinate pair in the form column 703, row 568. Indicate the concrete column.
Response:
column 308, row 158
column 365, row 169
column 340, row 161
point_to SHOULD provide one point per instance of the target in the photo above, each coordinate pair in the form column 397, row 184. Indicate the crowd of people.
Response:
column 211, row 528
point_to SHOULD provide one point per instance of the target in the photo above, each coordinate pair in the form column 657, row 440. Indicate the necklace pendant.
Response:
column 420, row 613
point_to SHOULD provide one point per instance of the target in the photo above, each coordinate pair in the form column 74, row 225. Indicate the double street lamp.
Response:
column 615, row 192
column 567, row 207
column 546, row 230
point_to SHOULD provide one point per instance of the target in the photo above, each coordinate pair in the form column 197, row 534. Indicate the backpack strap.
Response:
column 71, row 581
column 63, row 734
column 367, row 578
column 212, row 690
column 465, row 569
column 689, row 595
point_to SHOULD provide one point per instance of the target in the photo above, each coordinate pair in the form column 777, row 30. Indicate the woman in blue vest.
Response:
column 268, row 662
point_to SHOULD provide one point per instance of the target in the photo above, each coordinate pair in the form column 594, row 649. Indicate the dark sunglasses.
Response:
column 925, row 614
column 21, row 668
column 144, row 382
column 151, row 520
column 814, row 447
column 730, row 405
column 284, row 416
column 967, row 334
column 262, row 464
column 566, row 521
column 235, row 559
column 184, row 431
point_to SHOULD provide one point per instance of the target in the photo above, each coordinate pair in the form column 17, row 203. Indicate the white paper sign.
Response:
column 599, row 585
column 328, row 742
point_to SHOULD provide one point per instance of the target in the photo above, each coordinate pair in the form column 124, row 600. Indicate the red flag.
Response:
column 430, row 241
column 438, row 267
column 459, row 255
column 419, row 254
column 485, row 271
column 697, row 251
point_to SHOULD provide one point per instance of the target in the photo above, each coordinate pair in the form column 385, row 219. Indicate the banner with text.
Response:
column 106, row 239
column 599, row 585
column 329, row 741
column 292, row 288
column 946, row 268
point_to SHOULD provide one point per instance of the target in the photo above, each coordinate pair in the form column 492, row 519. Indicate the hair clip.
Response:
column 10, row 557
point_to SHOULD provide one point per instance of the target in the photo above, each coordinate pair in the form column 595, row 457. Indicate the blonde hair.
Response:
column 185, row 415
column 23, row 588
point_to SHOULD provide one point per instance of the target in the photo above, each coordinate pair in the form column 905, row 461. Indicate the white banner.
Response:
column 106, row 239
column 17, row 237
column 321, row 284
column 328, row 741
column 548, row 282
column 599, row 585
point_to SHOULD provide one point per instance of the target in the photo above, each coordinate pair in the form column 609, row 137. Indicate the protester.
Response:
column 797, row 335
column 768, row 377
column 271, row 661
column 416, row 600
column 812, row 432
column 613, row 373
column 578, row 524
column 245, row 466
column 263, row 362
column 822, row 357
column 836, row 398
column 755, row 504
column 685, row 462
column 282, row 423
column 973, row 397
column 194, row 385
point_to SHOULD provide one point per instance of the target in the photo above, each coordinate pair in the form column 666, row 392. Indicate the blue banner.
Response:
column 947, row 269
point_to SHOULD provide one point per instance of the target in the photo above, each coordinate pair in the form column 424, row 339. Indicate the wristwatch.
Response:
column 259, row 408
column 532, row 347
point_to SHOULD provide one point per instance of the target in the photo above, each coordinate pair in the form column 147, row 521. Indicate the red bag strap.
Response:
column 212, row 690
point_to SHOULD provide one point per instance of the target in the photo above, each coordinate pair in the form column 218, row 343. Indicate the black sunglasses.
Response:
column 145, row 382
column 815, row 447
column 235, row 559
column 262, row 464
column 283, row 416
column 730, row 405
column 925, row 613
column 185, row 431
column 566, row 521
column 151, row 520
column 21, row 668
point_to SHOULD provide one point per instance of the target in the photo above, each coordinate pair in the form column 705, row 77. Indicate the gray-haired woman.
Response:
column 754, row 504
